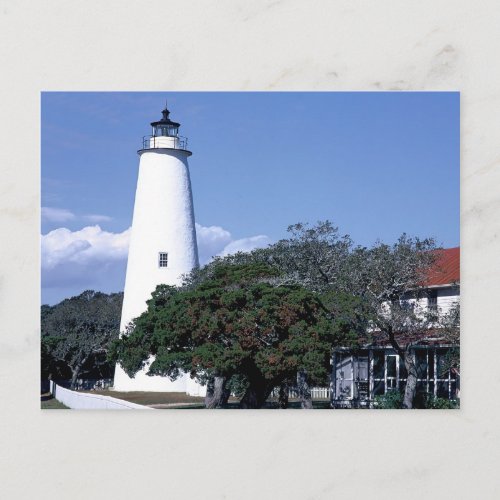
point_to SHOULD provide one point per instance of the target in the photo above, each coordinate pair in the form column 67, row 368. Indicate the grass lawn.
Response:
column 294, row 404
column 233, row 404
column 154, row 399
column 180, row 400
column 52, row 404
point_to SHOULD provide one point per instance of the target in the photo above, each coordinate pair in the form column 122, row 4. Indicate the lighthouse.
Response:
column 163, row 238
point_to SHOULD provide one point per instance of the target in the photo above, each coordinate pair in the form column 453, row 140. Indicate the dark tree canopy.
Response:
column 76, row 333
column 383, row 280
column 387, row 280
column 236, row 322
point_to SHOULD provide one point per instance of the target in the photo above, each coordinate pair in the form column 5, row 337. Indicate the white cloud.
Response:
column 92, row 258
column 214, row 240
column 97, row 218
column 211, row 241
column 74, row 261
column 246, row 244
column 85, row 246
column 64, row 215
column 57, row 214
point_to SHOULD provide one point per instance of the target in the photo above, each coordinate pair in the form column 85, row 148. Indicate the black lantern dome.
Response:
column 165, row 127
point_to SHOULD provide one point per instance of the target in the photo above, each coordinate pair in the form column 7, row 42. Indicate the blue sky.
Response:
column 377, row 164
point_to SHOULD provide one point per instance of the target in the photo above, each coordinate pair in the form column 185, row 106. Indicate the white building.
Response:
column 163, row 238
column 360, row 375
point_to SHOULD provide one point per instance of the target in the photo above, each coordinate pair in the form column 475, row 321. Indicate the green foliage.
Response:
column 316, row 257
column 51, row 366
column 450, row 362
column 76, row 333
column 452, row 335
column 236, row 321
column 392, row 400
column 237, row 385
column 434, row 403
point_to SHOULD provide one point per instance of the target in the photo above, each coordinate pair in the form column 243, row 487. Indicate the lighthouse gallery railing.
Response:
column 154, row 141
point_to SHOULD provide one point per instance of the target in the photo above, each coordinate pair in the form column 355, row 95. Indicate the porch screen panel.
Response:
column 378, row 372
column 361, row 370
column 391, row 379
column 422, row 364
column 446, row 379
column 343, row 376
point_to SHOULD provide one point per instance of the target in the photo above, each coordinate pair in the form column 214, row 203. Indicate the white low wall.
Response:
column 85, row 401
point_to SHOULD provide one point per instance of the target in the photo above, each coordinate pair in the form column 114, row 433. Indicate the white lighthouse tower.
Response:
column 163, row 239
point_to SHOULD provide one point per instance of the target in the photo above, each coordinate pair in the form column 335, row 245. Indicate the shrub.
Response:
column 393, row 400
column 434, row 403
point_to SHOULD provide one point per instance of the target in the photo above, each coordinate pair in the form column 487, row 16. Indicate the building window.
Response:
column 432, row 300
column 378, row 373
column 163, row 259
column 352, row 375
column 387, row 372
column 344, row 376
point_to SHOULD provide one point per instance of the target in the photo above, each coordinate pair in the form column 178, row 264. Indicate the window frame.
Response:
column 432, row 300
column 431, row 380
column 162, row 259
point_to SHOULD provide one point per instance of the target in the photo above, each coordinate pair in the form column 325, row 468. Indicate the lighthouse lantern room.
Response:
column 165, row 133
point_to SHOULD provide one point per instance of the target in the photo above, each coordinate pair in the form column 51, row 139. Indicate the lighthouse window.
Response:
column 163, row 259
column 166, row 131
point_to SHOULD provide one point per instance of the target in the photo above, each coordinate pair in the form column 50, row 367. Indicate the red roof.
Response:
column 446, row 269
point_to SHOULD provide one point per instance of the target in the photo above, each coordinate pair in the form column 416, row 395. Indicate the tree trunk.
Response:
column 255, row 396
column 304, row 391
column 411, row 381
column 283, row 395
column 210, row 391
column 408, row 358
column 75, row 372
column 217, row 393
column 257, row 392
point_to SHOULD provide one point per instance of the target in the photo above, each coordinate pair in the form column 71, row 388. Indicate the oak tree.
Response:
column 236, row 321
column 387, row 280
column 77, row 332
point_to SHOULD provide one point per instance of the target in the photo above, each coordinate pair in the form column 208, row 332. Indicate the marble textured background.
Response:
column 241, row 45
